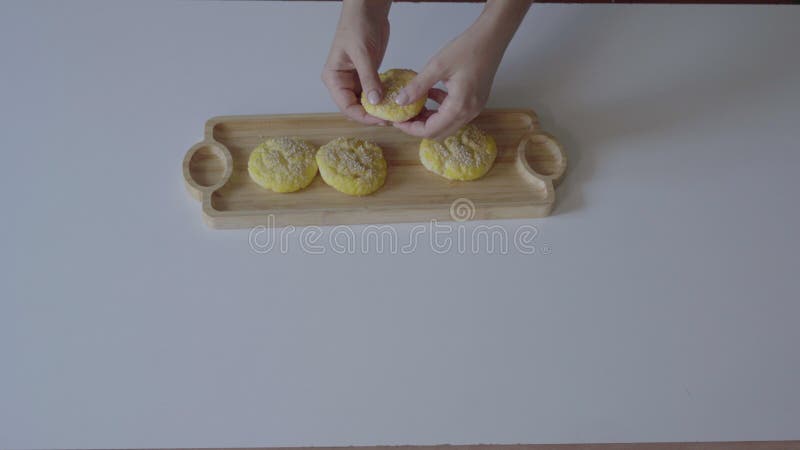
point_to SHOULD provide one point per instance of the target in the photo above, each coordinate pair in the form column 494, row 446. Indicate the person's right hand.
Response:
column 356, row 53
column 467, row 67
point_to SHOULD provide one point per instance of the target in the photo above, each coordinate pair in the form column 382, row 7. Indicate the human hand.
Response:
column 467, row 67
column 356, row 53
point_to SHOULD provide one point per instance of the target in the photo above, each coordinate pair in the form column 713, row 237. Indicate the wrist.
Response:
column 371, row 9
column 501, row 18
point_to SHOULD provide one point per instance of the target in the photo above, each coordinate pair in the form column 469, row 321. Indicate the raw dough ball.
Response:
column 467, row 155
column 283, row 164
column 352, row 166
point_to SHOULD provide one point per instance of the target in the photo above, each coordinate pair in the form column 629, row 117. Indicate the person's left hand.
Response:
column 356, row 53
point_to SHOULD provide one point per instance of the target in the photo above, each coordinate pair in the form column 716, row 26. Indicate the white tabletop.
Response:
column 661, row 302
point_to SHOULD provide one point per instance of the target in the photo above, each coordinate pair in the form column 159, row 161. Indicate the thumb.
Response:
column 419, row 86
column 368, row 74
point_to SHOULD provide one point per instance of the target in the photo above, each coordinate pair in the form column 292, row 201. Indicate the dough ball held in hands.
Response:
column 393, row 82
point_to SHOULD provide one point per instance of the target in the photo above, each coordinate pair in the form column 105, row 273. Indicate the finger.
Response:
column 357, row 113
column 340, row 87
column 424, row 115
column 420, row 128
column 439, row 124
column 452, row 115
column 368, row 74
column 351, row 107
column 421, row 117
column 437, row 95
column 418, row 86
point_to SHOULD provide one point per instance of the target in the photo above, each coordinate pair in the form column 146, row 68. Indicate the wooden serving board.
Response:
column 520, row 184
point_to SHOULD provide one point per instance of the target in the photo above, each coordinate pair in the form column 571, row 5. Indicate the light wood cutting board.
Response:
column 520, row 184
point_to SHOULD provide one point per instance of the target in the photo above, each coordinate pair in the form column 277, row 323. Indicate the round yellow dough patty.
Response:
column 283, row 164
column 467, row 155
column 393, row 81
column 352, row 166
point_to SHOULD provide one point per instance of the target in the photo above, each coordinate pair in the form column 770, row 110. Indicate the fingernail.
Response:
column 402, row 98
column 374, row 97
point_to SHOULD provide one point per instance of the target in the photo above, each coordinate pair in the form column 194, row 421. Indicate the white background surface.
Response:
column 666, row 310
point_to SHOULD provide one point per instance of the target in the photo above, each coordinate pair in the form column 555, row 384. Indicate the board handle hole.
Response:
column 207, row 166
column 542, row 155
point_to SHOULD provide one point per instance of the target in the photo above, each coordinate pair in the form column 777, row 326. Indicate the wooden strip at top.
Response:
column 696, row 2
column 681, row 2
column 733, row 445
